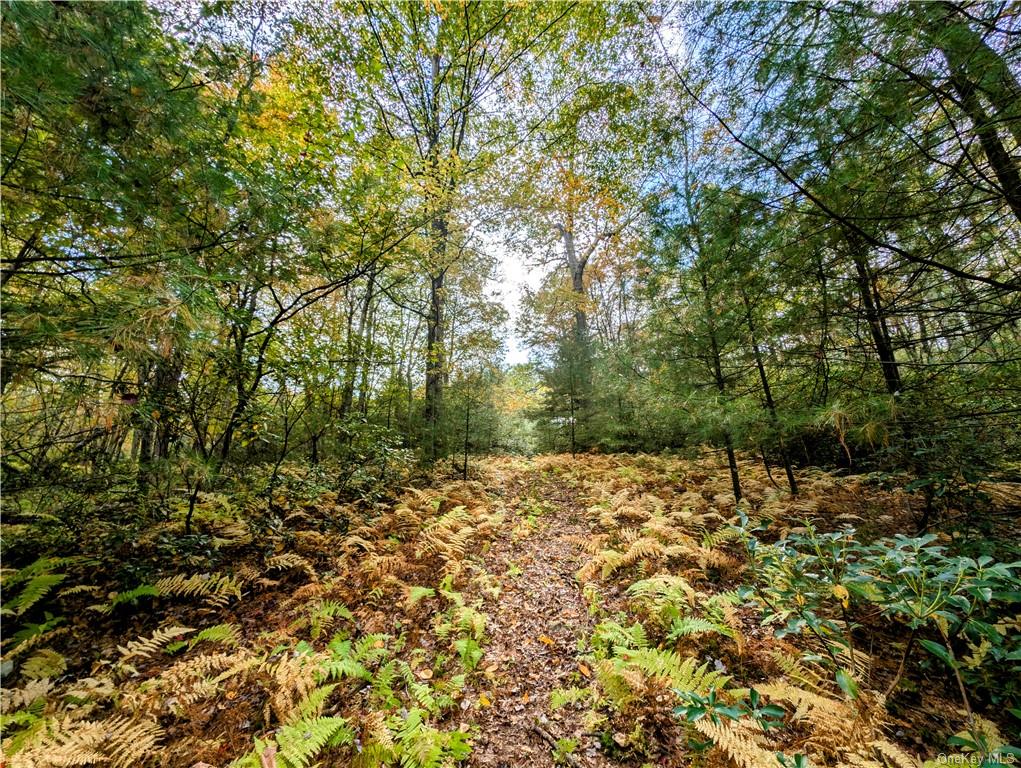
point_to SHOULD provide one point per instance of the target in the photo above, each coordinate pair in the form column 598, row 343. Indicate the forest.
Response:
column 496, row 383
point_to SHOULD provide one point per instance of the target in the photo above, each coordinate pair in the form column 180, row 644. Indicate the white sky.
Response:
column 508, row 289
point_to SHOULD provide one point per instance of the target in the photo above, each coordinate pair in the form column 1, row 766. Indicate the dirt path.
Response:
column 534, row 627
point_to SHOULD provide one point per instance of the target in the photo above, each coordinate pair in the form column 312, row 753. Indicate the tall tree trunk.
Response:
column 871, row 302
column 355, row 348
column 971, row 57
column 162, row 402
column 467, row 427
column 366, row 362
column 721, row 388
column 434, row 347
column 767, row 394
column 1004, row 167
column 728, row 440
column 576, row 266
column 822, row 375
column 435, row 358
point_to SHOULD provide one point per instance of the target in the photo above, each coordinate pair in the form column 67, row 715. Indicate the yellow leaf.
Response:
column 484, row 700
column 840, row 592
column 546, row 639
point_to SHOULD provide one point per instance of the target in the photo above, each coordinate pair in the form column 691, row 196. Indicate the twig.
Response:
column 268, row 758
column 569, row 758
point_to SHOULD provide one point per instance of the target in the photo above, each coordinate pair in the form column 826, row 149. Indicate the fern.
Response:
column 740, row 745
column 349, row 660
column 291, row 561
column 216, row 588
column 469, row 651
column 224, row 634
column 121, row 742
column 609, row 635
column 665, row 597
column 419, row 745
column 300, row 742
column 131, row 596
column 321, row 616
column 693, row 625
column 562, row 697
column 44, row 663
column 415, row 594
column 35, row 590
column 682, row 674
column 145, row 647
column 313, row 704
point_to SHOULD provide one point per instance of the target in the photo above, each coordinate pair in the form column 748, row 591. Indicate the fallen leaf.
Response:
column 525, row 698
column 546, row 639
column 484, row 700
column 620, row 738
column 584, row 670
column 424, row 674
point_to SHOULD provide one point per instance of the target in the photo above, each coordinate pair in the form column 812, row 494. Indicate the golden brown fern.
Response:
column 119, row 741
column 287, row 561
column 145, row 647
column 741, row 744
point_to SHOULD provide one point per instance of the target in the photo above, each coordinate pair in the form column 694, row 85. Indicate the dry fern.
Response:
column 118, row 741
column 145, row 647
column 740, row 744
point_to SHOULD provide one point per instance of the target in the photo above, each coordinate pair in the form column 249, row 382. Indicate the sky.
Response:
column 515, row 275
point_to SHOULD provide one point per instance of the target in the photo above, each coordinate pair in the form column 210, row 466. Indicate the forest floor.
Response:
column 539, row 623
column 542, row 613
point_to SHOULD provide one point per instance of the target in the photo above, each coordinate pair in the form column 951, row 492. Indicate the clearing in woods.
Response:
column 548, row 611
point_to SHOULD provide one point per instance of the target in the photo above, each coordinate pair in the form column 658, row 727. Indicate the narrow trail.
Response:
column 535, row 627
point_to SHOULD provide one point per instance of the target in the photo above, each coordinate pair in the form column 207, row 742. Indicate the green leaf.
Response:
column 938, row 650
column 847, row 683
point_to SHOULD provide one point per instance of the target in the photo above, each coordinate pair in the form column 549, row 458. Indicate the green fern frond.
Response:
column 692, row 625
column 609, row 635
column 44, row 663
column 35, row 590
column 121, row 598
column 562, row 697
column 682, row 674
column 224, row 634
column 313, row 704
column 302, row 741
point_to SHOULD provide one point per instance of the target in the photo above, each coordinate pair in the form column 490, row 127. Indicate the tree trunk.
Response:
column 721, row 387
column 576, row 267
column 768, row 396
column 435, row 354
column 876, row 319
column 467, row 426
column 970, row 56
column 366, row 362
column 159, row 430
column 1007, row 175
